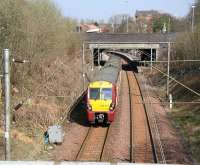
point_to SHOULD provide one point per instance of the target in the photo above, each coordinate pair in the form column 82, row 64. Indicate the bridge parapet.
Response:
column 124, row 45
column 152, row 45
column 64, row 163
column 129, row 38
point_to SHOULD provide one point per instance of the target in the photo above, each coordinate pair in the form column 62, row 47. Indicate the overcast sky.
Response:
column 104, row 9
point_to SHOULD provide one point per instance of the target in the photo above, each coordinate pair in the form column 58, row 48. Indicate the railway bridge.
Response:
column 140, row 46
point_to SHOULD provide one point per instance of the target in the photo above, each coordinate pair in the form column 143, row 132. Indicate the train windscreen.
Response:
column 106, row 94
column 94, row 93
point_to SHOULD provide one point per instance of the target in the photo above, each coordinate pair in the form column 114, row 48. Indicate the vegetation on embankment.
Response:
column 185, row 116
column 36, row 31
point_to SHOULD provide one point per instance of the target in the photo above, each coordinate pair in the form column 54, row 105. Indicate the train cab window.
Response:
column 106, row 94
column 94, row 93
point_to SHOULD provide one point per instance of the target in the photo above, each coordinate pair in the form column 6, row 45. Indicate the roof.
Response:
column 87, row 27
column 146, row 13
column 108, row 74
column 110, row 71
column 93, row 30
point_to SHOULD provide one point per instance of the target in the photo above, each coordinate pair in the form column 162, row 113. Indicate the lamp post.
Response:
column 127, row 24
column 193, row 7
column 127, row 21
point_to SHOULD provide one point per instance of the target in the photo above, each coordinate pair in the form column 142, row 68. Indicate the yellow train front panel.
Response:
column 100, row 96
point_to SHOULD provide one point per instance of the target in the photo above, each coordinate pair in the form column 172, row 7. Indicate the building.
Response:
column 144, row 20
column 91, row 28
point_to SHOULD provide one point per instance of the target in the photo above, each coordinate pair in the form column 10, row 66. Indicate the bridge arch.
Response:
column 147, row 46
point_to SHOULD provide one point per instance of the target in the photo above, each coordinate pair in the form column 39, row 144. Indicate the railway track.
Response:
column 152, row 148
column 141, row 138
column 93, row 145
column 130, row 138
column 153, row 124
column 142, row 147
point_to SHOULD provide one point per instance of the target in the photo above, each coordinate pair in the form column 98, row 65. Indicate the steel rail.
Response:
column 131, row 123
column 155, row 127
column 101, row 156
column 149, row 130
column 154, row 149
column 86, row 142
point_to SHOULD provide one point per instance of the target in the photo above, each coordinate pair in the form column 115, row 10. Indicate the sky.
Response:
column 104, row 9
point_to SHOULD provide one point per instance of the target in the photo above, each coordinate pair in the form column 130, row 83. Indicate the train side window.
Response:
column 106, row 93
column 94, row 93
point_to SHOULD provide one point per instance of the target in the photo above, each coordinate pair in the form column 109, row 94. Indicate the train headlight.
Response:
column 112, row 107
column 89, row 107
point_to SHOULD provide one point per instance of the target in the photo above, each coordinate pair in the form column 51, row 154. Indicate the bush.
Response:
column 36, row 31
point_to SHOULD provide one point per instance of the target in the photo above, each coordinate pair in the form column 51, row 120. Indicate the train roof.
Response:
column 110, row 71
column 113, row 61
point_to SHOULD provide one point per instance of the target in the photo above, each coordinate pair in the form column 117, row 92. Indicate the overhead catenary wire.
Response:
column 24, row 101
column 39, row 86
column 178, row 82
column 165, row 61
column 142, row 102
column 49, row 96
column 165, row 102
column 171, row 61
column 170, row 77
column 147, row 54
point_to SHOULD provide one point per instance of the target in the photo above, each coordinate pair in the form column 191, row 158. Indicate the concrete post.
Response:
column 168, row 67
column 151, row 59
column 7, row 103
column 83, row 65
column 127, row 30
column 157, row 54
column 98, row 56
column 170, row 101
column 193, row 7
column 92, row 58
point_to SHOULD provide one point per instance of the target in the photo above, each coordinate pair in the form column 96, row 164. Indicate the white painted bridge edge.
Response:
column 65, row 163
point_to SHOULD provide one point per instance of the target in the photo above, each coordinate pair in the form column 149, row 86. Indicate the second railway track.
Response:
column 142, row 145
column 130, row 138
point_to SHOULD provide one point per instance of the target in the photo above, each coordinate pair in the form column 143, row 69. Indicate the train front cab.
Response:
column 101, row 102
